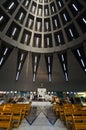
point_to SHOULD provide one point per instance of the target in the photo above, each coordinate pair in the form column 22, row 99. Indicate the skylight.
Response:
column 19, row 66
column 59, row 3
column 53, row 9
column 35, row 59
column 5, row 51
column 59, row 40
column 65, row 17
column 14, row 31
column 49, row 69
column 48, row 60
column 78, row 52
column 55, row 22
column 66, row 76
column 26, row 3
column 21, row 15
column 84, row 20
column 11, row 5
column 75, row 7
column 22, row 55
column 71, row 33
column 30, row 22
column 1, row 60
column 82, row 62
column 26, row 38
column 62, row 57
column 47, row 25
column 17, row 76
column 34, row 68
column 1, row 18
column 64, row 67
column 47, row 41
column 37, row 41
column 49, row 76
column 34, row 77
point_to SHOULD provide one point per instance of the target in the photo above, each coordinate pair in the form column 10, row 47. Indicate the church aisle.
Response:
column 41, row 122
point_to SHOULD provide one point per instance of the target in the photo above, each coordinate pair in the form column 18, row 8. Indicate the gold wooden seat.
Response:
column 61, row 112
column 68, row 117
column 79, row 122
column 17, row 117
column 1, row 107
column 76, row 106
column 25, row 108
column 19, row 111
column 82, row 108
column 6, row 121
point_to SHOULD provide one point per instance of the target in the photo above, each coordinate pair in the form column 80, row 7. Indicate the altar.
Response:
column 41, row 103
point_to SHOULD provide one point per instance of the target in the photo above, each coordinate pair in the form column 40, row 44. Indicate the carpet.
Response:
column 51, row 116
column 47, row 111
column 35, row 111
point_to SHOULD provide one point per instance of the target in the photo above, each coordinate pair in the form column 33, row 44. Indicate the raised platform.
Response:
column 41, row 103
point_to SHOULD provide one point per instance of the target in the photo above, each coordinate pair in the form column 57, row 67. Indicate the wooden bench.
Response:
column 1, row 107
column 24, row 107
column 6, row 121
column 19, row 111
column 17, row 118
column 61, row 112
column 79, row 122
column 68, row 117
column 68, row 112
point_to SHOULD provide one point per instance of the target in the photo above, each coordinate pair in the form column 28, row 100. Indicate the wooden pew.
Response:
column 68, row 117
column 61, row 112
column 6, row 121
column 19, row 111
column 55, row 108
column 76, row 106
column 79, row 122
column 70, row 110
column 17, row 118
column 1, row 107
column 25, row 108
column 82, row 108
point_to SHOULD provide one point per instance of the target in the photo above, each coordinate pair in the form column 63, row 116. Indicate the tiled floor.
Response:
column 41, row 122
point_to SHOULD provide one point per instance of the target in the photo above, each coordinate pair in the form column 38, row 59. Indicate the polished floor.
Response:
column 41, row 122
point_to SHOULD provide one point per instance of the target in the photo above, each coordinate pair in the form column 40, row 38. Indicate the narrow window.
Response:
column 14, row 31
column 11, row 5
column 75, row 7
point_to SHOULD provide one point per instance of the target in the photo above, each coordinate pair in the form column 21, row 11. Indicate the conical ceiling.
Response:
column 43, row 27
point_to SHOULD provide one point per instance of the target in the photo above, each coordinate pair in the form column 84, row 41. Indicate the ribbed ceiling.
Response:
column 43, row 27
